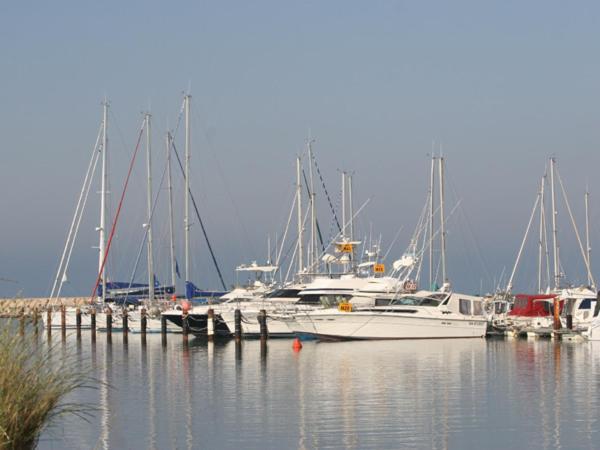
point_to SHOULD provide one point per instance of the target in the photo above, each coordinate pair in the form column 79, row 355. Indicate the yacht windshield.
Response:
column 417, row 301
column 284, row 293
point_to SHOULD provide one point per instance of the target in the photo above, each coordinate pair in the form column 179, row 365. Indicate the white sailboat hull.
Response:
column 251, row 327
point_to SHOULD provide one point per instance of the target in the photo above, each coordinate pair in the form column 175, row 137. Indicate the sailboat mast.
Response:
column 149, row 205
column 103, row 194
column 541, row 235
column 343, row 205
column 171, row 228
column 313, row 216
column 186, row 207
column 299, row 212
column 431, row 219
column 588, row 249
column 442, row 219
column 554, row 230
column 351, row 206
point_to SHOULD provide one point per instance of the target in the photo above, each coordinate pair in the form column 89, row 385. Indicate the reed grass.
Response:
column 35, row 379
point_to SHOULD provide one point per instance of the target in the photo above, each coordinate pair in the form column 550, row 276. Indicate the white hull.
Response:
column 133, row 324
column 250, row 326
column 385, row 325
column 593, row 332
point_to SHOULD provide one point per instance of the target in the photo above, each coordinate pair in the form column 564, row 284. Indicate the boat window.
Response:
column 382, row 301
column 427, row 301
column 311, row 299
column 464, row 306
column 416, row 301
column 500, row 308
column 284, row 293
column 586, row 303
column 520, row 303
column 477, row 310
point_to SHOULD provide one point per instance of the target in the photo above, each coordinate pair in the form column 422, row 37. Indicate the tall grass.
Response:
column 35, row 378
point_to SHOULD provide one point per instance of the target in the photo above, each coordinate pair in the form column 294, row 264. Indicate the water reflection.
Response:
column 414, row 394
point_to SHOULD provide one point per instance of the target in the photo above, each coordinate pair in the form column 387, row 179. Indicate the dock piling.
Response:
column 63, row 321
column 143, row 324
column 210, row 324
column 108, row 323
column 49, row 322
column 36, row 321
column 185, row 325
column 125, row 320
column 78, row 322
column 262, row 321
column 22, row 322
column 93, row 324
column 163, row 329
column 238, row 324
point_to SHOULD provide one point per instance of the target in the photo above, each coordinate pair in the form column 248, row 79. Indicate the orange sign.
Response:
column 344, row 248
column 345, row 307
column 379, row 268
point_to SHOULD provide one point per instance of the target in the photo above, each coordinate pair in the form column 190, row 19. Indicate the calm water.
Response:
column 452, row 394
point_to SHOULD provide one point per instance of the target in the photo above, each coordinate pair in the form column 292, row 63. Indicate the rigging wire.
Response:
column 210, row 249
column 116, row 218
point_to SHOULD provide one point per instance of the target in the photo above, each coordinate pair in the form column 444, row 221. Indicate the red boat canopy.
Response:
column 533, row 305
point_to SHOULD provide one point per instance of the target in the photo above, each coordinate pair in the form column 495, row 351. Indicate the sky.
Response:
column 497, row 87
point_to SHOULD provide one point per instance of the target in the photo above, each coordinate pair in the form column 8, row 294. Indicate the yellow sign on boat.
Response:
column 345, row 307
column 379, row 268
column 345, row 248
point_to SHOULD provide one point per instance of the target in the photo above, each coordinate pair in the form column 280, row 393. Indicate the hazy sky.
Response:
column 502, row 85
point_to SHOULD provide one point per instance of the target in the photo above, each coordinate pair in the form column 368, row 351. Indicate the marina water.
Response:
column 438, row 394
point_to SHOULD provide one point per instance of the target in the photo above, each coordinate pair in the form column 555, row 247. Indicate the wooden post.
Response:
column 49, row 322
column 262, row 321
column 22, row 322
column 108, row 323
column 557, row 324
column 185, row 326
column 143, row 324
column 210, row 324
column 238, row 324
column 63, row 321
column 78, row 321
column 125, row 320
column 93, row 324
column 35, row 320
column 163, row 329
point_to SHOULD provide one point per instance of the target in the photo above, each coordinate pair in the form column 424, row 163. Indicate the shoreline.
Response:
column 14, row 307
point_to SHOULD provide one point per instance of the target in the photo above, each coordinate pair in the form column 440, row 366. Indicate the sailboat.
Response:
column 534, row 314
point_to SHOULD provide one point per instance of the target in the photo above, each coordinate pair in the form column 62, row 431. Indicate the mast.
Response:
column 103, row 194
column 171, row 228
column 313, row 216
column 541, row 235
column 442, row 219
column 351, row 206
column 554, row 230
column 343, row 205
column 431, row 219
column 149, row 205
column 588, row 249
column 299, row 211
column 186, row 218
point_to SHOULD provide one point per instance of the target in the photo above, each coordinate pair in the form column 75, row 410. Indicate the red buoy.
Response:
column 297, row 345
column 186, row 306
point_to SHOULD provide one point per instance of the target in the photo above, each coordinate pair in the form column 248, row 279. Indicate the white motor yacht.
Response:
column 422, row 315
